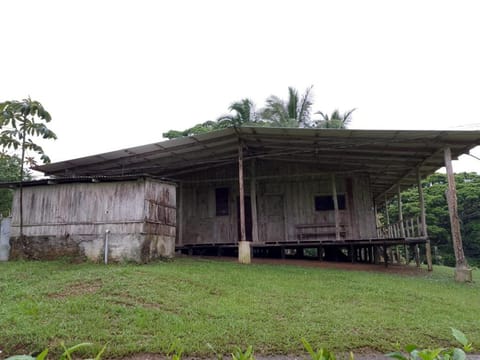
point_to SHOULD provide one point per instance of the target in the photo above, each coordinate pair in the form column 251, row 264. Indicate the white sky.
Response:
column 115, row 74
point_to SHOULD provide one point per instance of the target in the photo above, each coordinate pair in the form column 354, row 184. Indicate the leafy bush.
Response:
column 455, row 353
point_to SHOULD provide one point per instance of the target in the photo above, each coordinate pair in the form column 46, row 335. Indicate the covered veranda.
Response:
column 392, row 161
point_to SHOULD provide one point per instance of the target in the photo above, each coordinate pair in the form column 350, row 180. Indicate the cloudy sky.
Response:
column 115, row 74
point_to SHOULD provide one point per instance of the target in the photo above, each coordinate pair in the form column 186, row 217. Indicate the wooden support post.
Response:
column 397, row 250
column 387, row 218
column 180, row 214
column 335, row 206
column 244, row 255
column 285, row 220
column 423, row 221
column 386, row 210
column 462, row 272
column 417, row 255
column 400, row 212
column 385, row 254
column 377, row 255
column 253, row 201
column 391, row 255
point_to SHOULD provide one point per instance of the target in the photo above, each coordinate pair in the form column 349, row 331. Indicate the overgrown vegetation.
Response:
column 138, row 309
column 438, row 221
column 9, row 171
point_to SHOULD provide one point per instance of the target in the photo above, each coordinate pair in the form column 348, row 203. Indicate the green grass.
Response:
column 145, row 308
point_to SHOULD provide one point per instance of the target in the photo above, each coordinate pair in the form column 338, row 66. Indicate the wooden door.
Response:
column 272, row 218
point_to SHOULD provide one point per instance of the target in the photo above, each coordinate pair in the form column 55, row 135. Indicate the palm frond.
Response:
column 292, row 104
column 304, row 110
column 323, row 115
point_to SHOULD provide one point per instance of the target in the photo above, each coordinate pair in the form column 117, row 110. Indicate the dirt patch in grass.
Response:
column 78, row 289
column 128, row 300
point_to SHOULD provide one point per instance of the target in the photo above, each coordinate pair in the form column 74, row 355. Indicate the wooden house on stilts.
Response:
column 278, row 191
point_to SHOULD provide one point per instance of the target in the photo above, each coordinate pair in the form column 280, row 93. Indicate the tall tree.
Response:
column 335, row 120
column 21, row 123
column 294, row 112
column 245, row 114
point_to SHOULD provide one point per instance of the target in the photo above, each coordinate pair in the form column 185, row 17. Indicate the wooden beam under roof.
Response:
column 384, row 154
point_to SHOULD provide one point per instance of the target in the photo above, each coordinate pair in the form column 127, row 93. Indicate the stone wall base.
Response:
column 139, row 248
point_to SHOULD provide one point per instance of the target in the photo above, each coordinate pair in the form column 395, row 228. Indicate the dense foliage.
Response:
column 438, row 221
column 9, row 171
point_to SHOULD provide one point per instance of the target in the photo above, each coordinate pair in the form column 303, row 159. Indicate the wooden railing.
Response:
column 408, row 228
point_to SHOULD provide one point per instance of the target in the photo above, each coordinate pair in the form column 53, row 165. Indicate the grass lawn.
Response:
column 144, row 308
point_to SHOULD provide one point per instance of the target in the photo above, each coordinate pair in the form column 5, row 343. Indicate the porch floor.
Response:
column 373, row 250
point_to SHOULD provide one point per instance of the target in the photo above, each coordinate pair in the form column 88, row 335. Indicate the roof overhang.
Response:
column 390, row 157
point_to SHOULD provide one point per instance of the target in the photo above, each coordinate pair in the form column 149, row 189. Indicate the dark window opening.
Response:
column 221, row 201
column 325, row 202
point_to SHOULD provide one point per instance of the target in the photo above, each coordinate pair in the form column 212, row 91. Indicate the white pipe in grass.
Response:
column 106, row 246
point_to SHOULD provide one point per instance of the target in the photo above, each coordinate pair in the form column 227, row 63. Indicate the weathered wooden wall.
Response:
column 72, row 219
column 285, row 201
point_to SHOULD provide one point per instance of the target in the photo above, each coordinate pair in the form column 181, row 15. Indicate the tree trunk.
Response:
column 462, row 272
column 22, row 161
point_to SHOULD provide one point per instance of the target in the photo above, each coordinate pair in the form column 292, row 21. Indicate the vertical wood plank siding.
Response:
column 71, row 219
column 285, row 201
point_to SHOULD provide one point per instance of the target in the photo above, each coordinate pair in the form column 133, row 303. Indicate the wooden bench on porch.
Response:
column 315, row 231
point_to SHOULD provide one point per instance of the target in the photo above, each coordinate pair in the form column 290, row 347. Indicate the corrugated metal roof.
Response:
column 390, row 157
column 81, row 179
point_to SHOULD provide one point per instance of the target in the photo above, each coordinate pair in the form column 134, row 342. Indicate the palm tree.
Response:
column 295, row 112
column 335, row 120
column 244, row 114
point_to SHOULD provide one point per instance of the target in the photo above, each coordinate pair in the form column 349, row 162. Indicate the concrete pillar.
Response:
column 244, row 252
